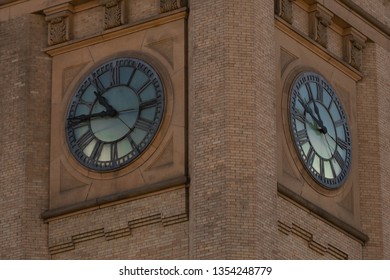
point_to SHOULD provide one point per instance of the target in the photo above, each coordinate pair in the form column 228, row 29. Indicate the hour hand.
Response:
column 103, row 101
column 318, row 121
column 318, row 113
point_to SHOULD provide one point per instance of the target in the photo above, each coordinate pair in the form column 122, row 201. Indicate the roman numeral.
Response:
column 343, row 144
column 301, row 100
column 115, row 75
column 339, row 159
column 76, row 124
column 114, row 151
column 330, row 105
column 84, row 140
column 144, row 87
column 298, row 116
column 322, row 169
column 302, row 136
column 300, row 82
column 98, row 85
column 132, row 143
column 143, row 124
column 320, row 93
column 148, row 104
column 310, row 156
column 309, row 92
column 131, row 77
column 332, row 168
column 338, row 123
column 97, row 150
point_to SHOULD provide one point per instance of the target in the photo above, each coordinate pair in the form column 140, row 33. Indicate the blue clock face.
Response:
column 115, row 114
column 320, row 130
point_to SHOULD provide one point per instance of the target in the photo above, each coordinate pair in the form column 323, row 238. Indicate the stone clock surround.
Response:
column 162, row 165
column 300, row 51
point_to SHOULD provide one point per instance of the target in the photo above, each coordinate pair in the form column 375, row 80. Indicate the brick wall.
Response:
column 383, row 87
column 232, row 124
column 25, row 103
column 150, row 227
column 303, row 235
column 374, row 164
column 373, row 116
column 234, row 209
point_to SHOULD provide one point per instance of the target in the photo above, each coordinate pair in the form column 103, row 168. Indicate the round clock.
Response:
column 320, row 130
column 115, row 114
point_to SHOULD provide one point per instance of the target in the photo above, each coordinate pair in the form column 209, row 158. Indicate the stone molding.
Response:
column 334, row 60
column 117, row 197
column 115, row 33
column 170, row 5
column 353, row 45
column 59, row 19
column 283, row 9
column 113, row 13
column 5, row 3
column 319, row 20
column 341, row 225
column 368, row 17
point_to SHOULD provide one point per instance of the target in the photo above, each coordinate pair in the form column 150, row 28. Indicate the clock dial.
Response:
column 115, row 114
column 320, row 130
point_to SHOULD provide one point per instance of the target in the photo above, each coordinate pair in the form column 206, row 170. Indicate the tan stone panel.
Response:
column 122, row 46
column 166, row 43
column 345, row 87
column 169, row 159
column 70, row 68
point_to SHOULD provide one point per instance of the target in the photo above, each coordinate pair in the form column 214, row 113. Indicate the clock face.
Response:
column 320, row 130
column 115, row 114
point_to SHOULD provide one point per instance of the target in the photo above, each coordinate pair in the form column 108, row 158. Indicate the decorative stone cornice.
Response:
column 7, row 2
column 283, row 9
column 353, row 44
column 59, row 23
column 170, row 5
column 319, row 20
column 352, row 6
column 116, row 32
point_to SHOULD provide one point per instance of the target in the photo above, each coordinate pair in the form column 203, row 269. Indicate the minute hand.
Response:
column 82, row 118
column 318, row 121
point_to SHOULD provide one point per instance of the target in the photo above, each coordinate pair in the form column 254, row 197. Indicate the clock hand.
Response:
column 128, row 110
column 327, row 142
column 131, row 129
column 331, row 137
column 82, row 118
column 320, row 124
column 317, row 112
column 103, row 101
column 314, row 127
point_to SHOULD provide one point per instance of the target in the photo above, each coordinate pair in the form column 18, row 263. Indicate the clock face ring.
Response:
column 320, row 130
column 115, row 114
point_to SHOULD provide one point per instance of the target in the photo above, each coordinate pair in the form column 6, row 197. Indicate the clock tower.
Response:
column 172, row 129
